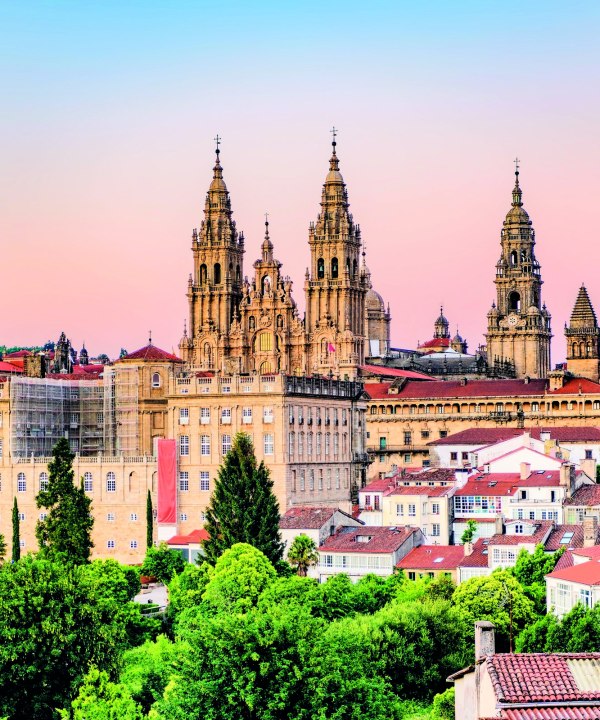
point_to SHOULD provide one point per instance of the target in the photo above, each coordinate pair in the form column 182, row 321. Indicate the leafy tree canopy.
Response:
column 163, row 563
column 303, row 554
column 101, row 699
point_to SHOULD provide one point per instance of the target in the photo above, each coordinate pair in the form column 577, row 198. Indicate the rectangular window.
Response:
column 291, row 443
column 226, row 416
column 133, row 517
column 204, row 480
column 443, row 433
column 407, row 457
column 110, row 517
column 111, row 483
column 435, row 530
column 88, row 483
column 465, row 456
column 453, row 456
column 225, row 444
column 382, row 443
column 407, row 438
column 337, row 479
column 336, row 445
column 184, row 416
column 399, row 510
column 133, row 544
column 1, row 448
column 184, row 445
column 302, row 480
column 205, row 445
column 184, row 481
column 268, row 444
column 327, row 443
column 412, row 510
column 22, row 486
column 585, row 597
column 204, row 416
column 301, row 444
column 328, row 561
column 22, row 517
column 435, row 508
column 110, row 544
column 588, row 455
column 99, row 418
column 246, row 415
column 183, row 517
column 268, row 415
column 424, row 434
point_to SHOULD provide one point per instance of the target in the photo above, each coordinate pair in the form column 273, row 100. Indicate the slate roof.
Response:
column 545, row 678
column 383, row 539
column 308, row 517
column 433, row 557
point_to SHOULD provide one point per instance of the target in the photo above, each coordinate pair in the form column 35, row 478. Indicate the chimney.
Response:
column 588, row 466
column 499, row 529
column 468, row 546
column 525, row 470
column 565, row 475
column 485, row 641
column 590, row 530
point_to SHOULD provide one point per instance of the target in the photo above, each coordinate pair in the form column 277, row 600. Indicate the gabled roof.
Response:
column 586, row 496
column 432, row 557
column 545, row 678
column 310, row 518
column 573, row 386
column 542, row 528
column 492, row 484
column 151, row 353
column 192, row 538
column 440, row 389
column 557, row 540
column 382, row 539
column 587, row 573
column 479, row 557
column 426, row 490
column 6, row 367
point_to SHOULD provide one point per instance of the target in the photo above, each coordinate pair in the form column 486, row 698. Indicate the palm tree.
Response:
column 303, row 554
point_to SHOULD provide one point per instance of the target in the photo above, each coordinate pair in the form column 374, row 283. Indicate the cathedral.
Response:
column 241, row 324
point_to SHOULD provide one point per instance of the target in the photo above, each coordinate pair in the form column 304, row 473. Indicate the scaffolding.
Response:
column 125, row 391
column 44, row 410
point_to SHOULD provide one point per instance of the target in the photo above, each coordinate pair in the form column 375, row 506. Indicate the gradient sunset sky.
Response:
column 109, row 110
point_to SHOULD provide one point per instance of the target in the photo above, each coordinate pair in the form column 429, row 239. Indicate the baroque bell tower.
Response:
column 583, row 339
column 335, row 287
column 518, row 323
column 215, row 288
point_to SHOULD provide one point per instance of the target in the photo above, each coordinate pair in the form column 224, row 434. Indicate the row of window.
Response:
column 412, row 509
column 470, row 504
column 111, row 544
column 317, row 443
column 330, row 415
column 323, row 478
column 184, row 444
column 184, row 481
column 359, row 561
column 88, row 482
column 226, row 415
column 457, row 408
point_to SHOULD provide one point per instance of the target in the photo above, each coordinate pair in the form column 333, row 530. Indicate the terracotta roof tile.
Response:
column 489, row 436
column 433, row 557
column 582, row 712
column 587, row 573
column 151, row 353
column 539, row 677
column 479, row 556
column 586, row 496
column 194, row 537
column 383, row 539
column 577, row 385
column 554, row 543
column 311, row 518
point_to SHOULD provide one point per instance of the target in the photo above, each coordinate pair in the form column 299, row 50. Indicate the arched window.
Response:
column 217, row 274
column 43, row 481
column 354, row 268
column 21, row 482
column 156, row 380
column 266, row 368
column 202, row 277
column 266, row 284
column 334, row 267
column 513, row 257
column 320, row 268
column 514, row 302
column 111, row 482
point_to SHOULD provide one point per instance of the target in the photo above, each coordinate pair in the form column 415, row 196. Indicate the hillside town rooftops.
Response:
column 367, row 539
column 432, row 557
column 311, row 518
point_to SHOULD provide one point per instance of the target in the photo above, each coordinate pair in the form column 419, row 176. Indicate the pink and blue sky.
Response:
column 109, row 110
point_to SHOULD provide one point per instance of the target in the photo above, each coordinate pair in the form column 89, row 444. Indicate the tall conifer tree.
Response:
column 16, row 533
column 243, row 507
column 149, row 522
column 66, row 531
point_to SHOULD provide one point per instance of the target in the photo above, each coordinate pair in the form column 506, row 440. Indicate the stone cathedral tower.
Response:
column 583, row 339
column 335, row 285
column 215, row 288
column 518, row 322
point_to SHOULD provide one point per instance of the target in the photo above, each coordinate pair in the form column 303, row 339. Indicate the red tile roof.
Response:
column 7, row 367
column 378, row 485
column 587, row 573
column 384, row 371
column 379, row 390
column 565, row 560
column 383, row 539
column 542, row 529
column 593, row 553
column 435, row 343
column 439, row 389
column 582, row 712
column 586, row 495
column 491, row 485
column 151, row 353
column 427, row 490
column 18, row 354
column 489, row 436
column 196, row 536
column 577, row 385
column 306, row 517
column 479, row 556
column 538, row 677
column 433, row 557
column 554, row 543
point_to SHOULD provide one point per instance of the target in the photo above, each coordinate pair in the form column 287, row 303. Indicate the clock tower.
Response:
column 518, row 323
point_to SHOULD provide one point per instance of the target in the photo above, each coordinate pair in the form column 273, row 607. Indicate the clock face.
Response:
column 513, row 320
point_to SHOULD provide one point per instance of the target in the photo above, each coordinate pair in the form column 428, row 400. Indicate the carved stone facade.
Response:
column 583, row 339
column 253, row 325
column 518, row 322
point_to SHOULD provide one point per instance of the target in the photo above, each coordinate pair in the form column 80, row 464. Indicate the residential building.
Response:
column 526, row 686
column 366, row 550
column 431, row 561
column 190, row 545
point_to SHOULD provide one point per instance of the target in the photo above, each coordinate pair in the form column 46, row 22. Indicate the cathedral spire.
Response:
column 583, row 314
column 517, row 194
column 267, row 245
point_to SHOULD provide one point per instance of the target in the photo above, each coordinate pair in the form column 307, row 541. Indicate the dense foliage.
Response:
column 162, row 563
column 243, row 507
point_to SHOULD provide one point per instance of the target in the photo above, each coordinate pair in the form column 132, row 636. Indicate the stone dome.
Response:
column 374, row 301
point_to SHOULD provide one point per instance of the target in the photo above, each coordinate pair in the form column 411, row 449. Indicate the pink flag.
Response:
column 330, row 348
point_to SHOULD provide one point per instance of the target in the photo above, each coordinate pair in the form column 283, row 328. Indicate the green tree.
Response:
column 469, row 532
column 499, row 598
column 3, row 548
column 16, row 533
column 444, row 705
column 66, row 531
column 187, row 588
column 53, row 627
column 101, row 699
column 162, row 563
column 243, row 507
column 239, row 577
column 149, row 522
column 531, row 569
column 303, row 554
